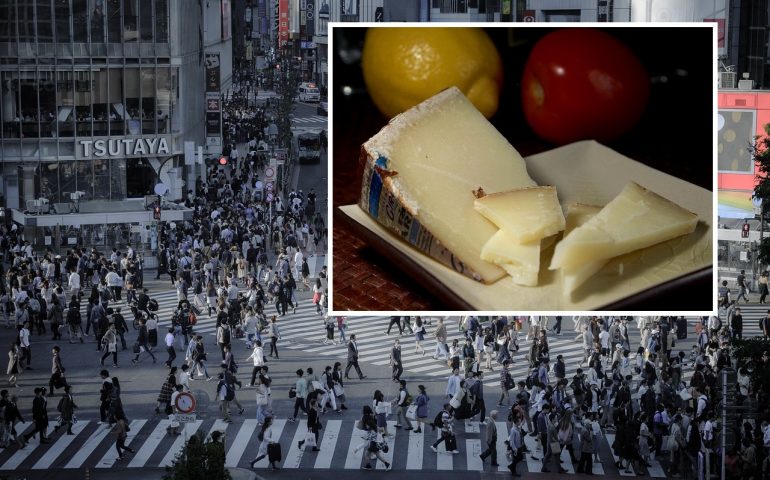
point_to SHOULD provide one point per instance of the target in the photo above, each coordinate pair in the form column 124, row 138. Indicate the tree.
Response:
column 199, row 460
column 760, row 151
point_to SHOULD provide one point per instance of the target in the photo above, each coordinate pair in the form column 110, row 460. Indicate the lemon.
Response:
column 404, row 66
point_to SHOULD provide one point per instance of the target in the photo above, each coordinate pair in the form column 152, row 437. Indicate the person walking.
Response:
column 341, row 326
column 14, row 368
column 67, row 410
column 742, row 287
column 169, row 341
column 274, row 335
column 164, row 397
column 422, row 408
column 490, row 439
column 225, row 394
column 353, row 358
column 313, row 423
column 450, row 443
column 266, row 438
column 55, row 316
column 141, row 343
column 300, row 393
column 397, row 322
column 369, row 426
column 395, row 361
column 402, row 401
column 258, row 358
column 440, row 334
column 39, row 416
column 419, row 336
column 74, row 320
column 198, row 357
column 121, row 434
column 516, row 446
column 57, row 379
column 110, row 345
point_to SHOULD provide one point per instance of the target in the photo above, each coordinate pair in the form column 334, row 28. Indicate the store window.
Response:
column 80, row 21
column 118, row 178
column 10, row 105
column 97, row 20
column 130, row 20
column 84, row 173
column 736, row 132
column 47, row 103
column 62, row 22
column 26, row 17
column 67, row 179
column 161, row 21
column 100, row 103
column 102, row 178
column 44, row 19
column 30, row 112
column 561, row 15
column 47, row 174
column 163, row 85
column 148, row 111
column 83, row 114
column 133, row 117
column 65, row 104
column 117, row 115
column 113, row 21
column 140, row 178
column 145, row 20
column 7, row 21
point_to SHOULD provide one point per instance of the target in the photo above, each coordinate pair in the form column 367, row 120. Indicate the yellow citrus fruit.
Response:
column 404, row 66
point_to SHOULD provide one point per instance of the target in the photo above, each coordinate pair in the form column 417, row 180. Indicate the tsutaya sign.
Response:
column 124, row 147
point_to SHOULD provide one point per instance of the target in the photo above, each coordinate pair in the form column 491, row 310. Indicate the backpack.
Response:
column 407, row 400
column 438, row 421
column 531, row 378
column 229, row 392
column 193, row 319
column 226, row 336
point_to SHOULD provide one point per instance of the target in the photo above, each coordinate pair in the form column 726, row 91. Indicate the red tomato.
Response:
column 581, row 83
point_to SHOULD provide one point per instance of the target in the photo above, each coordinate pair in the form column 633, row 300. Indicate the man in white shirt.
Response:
column 115, row 283
column 170, row 347
column 74, row 283
column 24, row 345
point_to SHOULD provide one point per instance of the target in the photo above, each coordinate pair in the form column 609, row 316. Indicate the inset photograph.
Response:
column 523, row 169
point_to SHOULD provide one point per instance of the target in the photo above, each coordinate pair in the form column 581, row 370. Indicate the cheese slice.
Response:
column 420, row 172
column 520, row 260
column 526, row 214
column 573, row 277
column 636, row 218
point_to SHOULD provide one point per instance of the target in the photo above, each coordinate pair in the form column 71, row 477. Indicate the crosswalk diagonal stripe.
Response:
column 328, row 443
column 188, row 430
column 235, row 452
column 444, row 460
column 53, row 451
column 356, row 449
column 111, row 456
column 416, row 450
column 473, row 449
column 294, row 454
column 88, row 447
column 150, row 444
column 23, row 453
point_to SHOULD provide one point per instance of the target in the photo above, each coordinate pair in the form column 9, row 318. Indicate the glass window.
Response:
column 102, row 178
column 7, row 21
column 140, row 177
column 96, row 7
column 80, row 21
column 44, row 27
column 62, row 15
column 100, row 105
column 133, row 117
column 117, row 110
column 148, row 112
column 113, row 21
column 83, row 114
column 176, row 117
column 118, row 178
column 84, row 171
column 145, row 20
column 65, row 104
column 47, row 104
column 28, row 106
column 163, row 85
column 67, row 179
column 130, row 20
column 48, row 176
column 26, row 13
column 161, row 21
column 10, row 105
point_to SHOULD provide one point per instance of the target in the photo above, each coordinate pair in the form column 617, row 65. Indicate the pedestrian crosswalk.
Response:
column 341, row 446
column 310, row 119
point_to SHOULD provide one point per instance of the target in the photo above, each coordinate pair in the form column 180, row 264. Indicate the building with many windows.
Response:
column 97, row 100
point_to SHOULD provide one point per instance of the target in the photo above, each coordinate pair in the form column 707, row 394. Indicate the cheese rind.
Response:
column 419, row 174
column 636, row 218
column 526, row 214
column 520, row 260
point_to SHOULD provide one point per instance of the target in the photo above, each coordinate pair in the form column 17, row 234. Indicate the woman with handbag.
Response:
column 110, row 345
column 381, row 411
column 14, row 359
column 339, row 387
column 373, row 448
column 421, row 402
column 67, row 410
column 313, row 425
column 266, row 437
column 261, row 398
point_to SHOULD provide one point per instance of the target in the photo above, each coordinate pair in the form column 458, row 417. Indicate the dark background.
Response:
column 675, row 135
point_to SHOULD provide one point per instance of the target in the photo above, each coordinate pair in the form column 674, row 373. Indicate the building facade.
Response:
column 100, row 96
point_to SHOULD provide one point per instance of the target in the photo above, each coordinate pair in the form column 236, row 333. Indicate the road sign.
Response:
column 185, row 402
column 185, row 418
column 269, row 187
column 269, row 173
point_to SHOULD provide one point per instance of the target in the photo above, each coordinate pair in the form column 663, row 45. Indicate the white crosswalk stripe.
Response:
column 311, row 119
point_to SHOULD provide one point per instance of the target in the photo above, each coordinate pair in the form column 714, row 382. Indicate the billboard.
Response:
column 283, row 22
column 212, row 72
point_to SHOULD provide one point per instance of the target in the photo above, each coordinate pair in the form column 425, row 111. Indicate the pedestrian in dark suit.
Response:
column 353, row 358
column 395, row 361
column 39, row 416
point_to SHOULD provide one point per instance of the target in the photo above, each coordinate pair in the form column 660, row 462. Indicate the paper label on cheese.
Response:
column 419, row 174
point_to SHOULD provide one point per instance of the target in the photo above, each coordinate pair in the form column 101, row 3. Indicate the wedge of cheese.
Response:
column 636, row 218
column 526, row 214
column 573, row 277
column 419, row 174
column 520, row 260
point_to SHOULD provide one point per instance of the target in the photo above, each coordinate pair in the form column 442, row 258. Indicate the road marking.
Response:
column 473, row 450
column 21, row 454
column 416, row 449
column 111, row 456
column 444, row 459
column 534, row 450
column 294, row 455
column 356, row 449
column 328, row 443
column 58, row 448
column 390, row 441
column 150, row 444
column 610, row 440
column 236, row 450
column 176, row 447
column 87, row 448
column 502, row 436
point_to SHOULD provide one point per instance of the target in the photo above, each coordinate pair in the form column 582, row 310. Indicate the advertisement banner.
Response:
column 213, row 102
column 227, row 21
column 213, row 124
column 212, row 73
column 283, row 23
column 310, row 19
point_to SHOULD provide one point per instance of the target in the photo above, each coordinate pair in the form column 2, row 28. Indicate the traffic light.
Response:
column 745, row 231
column 156, row 212
column 223, row 161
